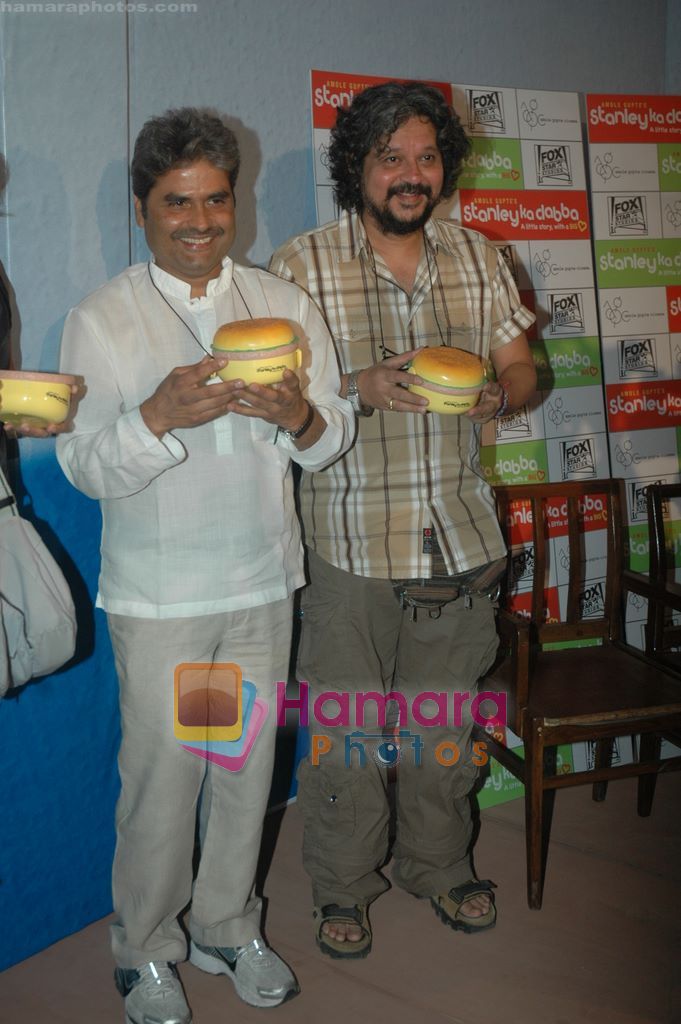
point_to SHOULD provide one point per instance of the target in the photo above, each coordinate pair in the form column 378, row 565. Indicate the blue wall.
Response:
column 76, row 89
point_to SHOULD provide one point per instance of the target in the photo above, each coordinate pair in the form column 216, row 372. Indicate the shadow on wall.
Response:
column 288, row 196
column 9, row 314
column 42, row 223
column 115, row 218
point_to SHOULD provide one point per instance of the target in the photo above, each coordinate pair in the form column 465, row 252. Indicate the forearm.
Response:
column 519, row 381
column 110, row 453
column 117, row 460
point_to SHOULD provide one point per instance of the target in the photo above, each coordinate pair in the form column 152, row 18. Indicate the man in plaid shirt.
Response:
column 407, row 502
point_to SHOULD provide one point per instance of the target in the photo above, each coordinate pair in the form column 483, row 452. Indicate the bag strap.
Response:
column 8, row 503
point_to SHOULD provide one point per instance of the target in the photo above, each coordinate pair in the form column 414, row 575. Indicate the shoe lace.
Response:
column 158, row 980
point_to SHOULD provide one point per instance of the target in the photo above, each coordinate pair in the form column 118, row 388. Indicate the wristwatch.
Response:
column 352, row 395
column 293, row 435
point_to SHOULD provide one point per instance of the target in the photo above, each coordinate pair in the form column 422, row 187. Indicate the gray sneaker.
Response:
column 260, row 977
column 153, row 994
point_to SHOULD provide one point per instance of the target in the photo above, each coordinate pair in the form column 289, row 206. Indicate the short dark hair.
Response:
column 373, row 116
column 178, row 138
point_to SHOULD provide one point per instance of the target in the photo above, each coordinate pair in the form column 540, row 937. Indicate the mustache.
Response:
column 407, row 188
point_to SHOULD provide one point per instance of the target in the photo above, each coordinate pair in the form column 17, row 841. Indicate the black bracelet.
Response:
column 293, row 435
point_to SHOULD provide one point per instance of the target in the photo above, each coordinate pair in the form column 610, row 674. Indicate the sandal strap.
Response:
column 332, row 912
column 461, row 893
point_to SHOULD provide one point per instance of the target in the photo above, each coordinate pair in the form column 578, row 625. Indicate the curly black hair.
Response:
column 374, row 115
column 180, row 137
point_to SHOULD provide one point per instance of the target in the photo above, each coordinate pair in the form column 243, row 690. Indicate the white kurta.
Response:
column 202, row 521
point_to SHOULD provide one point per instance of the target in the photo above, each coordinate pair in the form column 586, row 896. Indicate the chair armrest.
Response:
column 665, row 591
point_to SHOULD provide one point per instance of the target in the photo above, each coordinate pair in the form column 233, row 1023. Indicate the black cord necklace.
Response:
column 182, row 319
column 432, row 290
column 385, row 351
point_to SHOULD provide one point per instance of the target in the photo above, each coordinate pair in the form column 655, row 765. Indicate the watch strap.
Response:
column 293, row 435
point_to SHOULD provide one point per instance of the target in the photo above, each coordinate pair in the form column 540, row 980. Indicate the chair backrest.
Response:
column 657, row 496
column 663, row 631
column 537, row 521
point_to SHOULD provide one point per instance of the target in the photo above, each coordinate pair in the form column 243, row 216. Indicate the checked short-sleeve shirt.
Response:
column 406, row 473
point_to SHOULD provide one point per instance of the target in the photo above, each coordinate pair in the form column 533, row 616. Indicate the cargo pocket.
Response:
column 323, row 637
column 326, row 801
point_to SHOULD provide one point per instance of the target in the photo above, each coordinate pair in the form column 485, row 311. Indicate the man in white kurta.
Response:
column 201, row 553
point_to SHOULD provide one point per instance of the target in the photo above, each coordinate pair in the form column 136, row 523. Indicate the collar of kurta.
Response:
column 182, row 289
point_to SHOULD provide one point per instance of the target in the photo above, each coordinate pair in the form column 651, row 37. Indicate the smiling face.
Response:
column 189, row 222
column 402, row 181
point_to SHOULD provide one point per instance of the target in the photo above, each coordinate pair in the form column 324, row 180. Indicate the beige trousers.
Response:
column 162, row 785
column 356, row 638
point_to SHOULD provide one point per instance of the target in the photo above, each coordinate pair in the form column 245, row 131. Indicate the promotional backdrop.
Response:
column 525, row 187
column 635, row 163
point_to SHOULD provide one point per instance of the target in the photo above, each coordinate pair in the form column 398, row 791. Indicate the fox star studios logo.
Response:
column 566, row 312
column 217, row 714
column 522, row 566
column 515, row 425
column 486, row 110
column 578, row 459
column 508, row 254
column 637, row 358
column 627, row 215
column 638, row 499
column 592, row 601
column 552, row 164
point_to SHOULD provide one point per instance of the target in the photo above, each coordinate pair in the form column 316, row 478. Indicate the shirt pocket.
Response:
column 356, row 346
column 464, row 327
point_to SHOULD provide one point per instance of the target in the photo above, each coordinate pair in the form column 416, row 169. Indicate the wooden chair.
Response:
column 659, row 587
column 565, row 694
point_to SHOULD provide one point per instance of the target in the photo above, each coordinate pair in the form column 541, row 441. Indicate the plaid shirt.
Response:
column 370, row 511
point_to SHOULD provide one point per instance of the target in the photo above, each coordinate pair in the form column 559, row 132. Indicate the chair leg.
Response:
column 534, row 807
column 650, row 748
column 602, row 759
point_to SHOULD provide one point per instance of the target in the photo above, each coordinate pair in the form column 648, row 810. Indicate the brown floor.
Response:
column 605, row 948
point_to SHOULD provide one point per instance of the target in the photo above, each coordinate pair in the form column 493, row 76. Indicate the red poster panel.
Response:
column 625, row 118
column 519, row 522
column 521, row 604
column 591, row 512
column 331, row 90
column 644, row 405
column 674, row 308
column 557, row 215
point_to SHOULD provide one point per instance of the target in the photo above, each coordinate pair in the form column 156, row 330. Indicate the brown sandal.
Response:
column 334, row 914
column 448, row 907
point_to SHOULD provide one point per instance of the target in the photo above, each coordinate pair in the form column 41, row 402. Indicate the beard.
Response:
column 391, row 224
